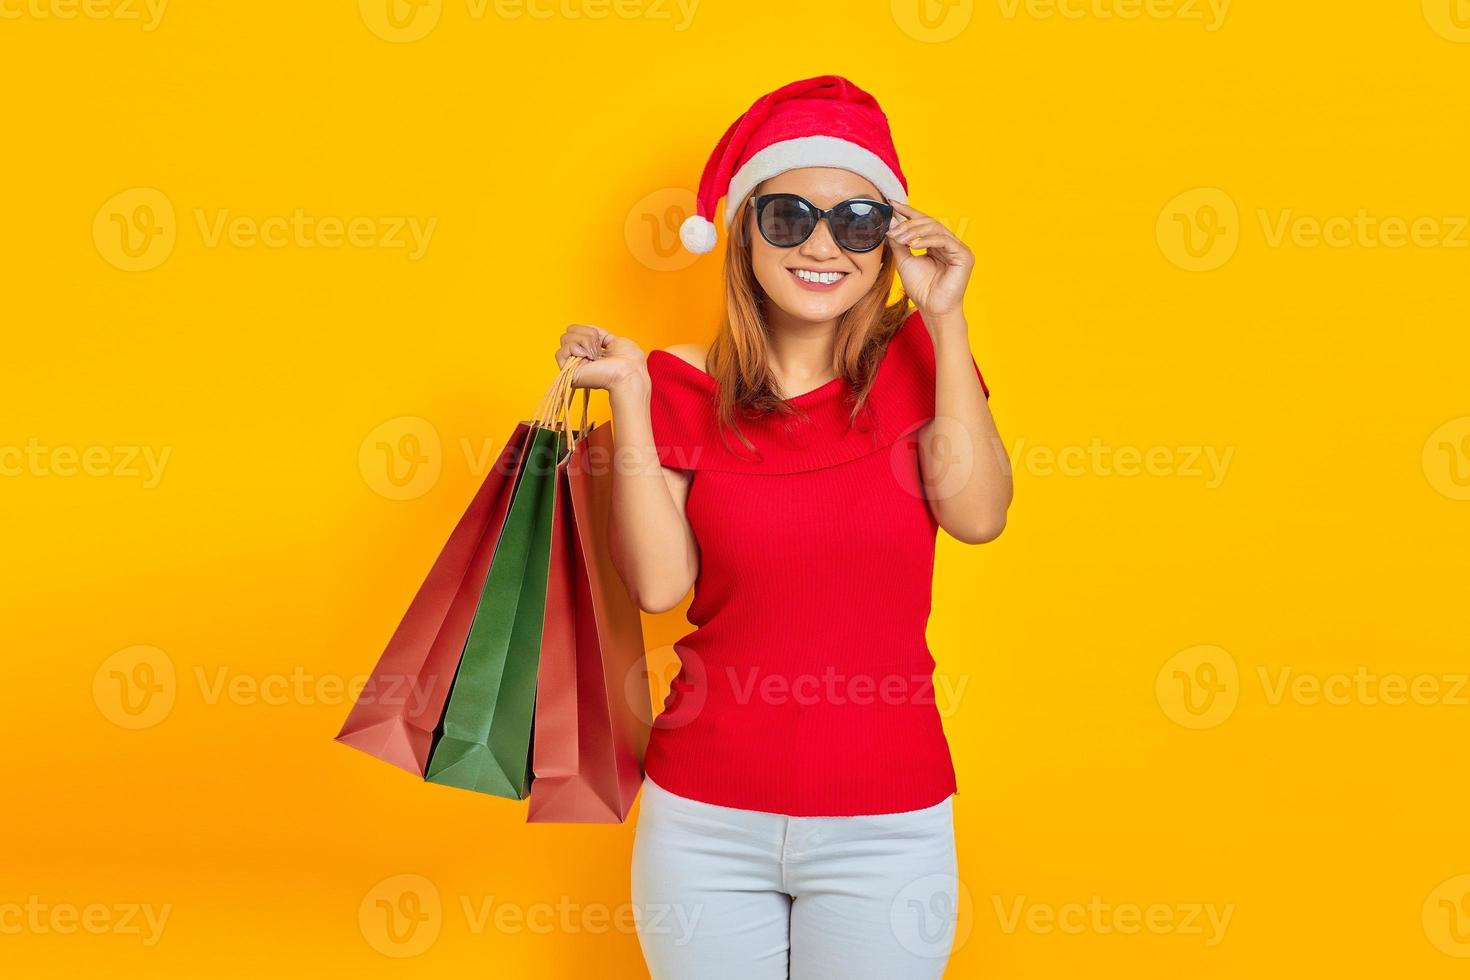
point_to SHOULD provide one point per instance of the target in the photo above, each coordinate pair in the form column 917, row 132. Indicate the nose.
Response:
column 821, row 245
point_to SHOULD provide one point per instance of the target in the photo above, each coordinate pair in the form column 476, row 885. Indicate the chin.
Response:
column 814, row 308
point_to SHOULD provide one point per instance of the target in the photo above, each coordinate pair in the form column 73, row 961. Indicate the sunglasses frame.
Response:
column 824, row 215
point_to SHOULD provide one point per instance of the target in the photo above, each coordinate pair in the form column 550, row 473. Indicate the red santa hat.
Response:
column 817, row 122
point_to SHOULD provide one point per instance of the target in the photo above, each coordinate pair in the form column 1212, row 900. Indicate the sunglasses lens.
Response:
column 859, row 226
column 786, row 221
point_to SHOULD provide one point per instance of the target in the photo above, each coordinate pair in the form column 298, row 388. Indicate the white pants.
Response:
column 727, row 894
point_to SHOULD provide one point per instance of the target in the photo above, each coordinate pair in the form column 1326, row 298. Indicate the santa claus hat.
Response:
column 817, row 122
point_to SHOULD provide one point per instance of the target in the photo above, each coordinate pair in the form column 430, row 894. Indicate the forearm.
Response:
column 652, row 546
column 967, row 473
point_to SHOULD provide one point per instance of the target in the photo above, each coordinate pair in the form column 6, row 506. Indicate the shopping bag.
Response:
column 590, row 737
column 485, row 738
column 398, row 710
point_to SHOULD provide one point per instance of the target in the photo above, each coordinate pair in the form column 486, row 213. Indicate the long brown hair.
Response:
column 737, row 357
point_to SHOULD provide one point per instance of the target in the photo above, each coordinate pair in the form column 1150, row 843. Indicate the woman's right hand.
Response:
column 609, row 359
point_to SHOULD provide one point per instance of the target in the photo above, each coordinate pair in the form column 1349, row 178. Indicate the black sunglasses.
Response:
column 787, row 220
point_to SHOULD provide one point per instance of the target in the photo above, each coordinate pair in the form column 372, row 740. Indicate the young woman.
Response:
column 796, row 815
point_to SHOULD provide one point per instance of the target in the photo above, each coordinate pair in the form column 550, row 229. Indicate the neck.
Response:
column 800, row 351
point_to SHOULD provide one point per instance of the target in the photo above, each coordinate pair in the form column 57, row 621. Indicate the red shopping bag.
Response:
column 590, row 736
column 398, row 711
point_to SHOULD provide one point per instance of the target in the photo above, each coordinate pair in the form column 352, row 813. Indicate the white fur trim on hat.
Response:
column 697, row 234
column 811, row 151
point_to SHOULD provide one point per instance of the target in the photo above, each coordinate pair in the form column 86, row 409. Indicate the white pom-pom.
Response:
column 697, row 234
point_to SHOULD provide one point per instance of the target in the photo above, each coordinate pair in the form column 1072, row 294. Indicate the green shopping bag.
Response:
column 485, row 743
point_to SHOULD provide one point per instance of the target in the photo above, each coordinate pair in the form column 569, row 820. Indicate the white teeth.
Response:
column 825, row 278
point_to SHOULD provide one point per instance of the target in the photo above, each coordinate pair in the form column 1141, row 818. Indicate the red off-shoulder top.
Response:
column 806, row 687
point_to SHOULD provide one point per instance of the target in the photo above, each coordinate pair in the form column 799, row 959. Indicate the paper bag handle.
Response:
column 555, row 409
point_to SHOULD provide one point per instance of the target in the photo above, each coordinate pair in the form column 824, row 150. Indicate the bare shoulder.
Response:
column 692, row 354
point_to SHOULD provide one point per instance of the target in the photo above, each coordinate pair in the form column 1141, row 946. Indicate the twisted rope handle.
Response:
column 556, row 405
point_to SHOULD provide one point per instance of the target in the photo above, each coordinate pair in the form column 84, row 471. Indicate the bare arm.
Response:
column 967, row 477
column 653, row 547
column 967, row 474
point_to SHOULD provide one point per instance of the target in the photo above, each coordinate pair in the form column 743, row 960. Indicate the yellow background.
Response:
column 554, row 150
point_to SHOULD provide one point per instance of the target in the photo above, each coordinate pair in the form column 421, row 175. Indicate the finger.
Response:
column 584, row 339
column 595, row 339
column 925, row 236
column 906, row 211
column 931, row 235
column 909, row 230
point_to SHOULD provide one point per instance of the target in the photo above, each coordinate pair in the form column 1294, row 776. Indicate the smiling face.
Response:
column 817, row 280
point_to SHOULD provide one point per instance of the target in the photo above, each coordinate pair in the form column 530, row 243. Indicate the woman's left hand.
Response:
column 935, row 281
